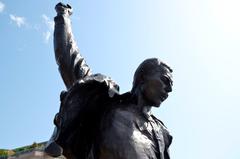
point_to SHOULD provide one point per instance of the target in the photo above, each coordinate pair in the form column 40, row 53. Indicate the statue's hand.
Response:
column 63, row 9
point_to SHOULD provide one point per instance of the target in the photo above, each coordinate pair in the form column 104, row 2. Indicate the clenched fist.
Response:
column 63, row 9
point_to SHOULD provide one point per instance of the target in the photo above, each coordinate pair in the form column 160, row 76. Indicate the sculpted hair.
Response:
column 148, row 67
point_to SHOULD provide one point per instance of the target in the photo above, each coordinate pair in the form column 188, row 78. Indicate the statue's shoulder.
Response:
column 112, row 86
column 96, row 83
column 89, row 96
column 158, row 121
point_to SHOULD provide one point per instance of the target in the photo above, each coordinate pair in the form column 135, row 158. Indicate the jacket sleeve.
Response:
column 72, row 66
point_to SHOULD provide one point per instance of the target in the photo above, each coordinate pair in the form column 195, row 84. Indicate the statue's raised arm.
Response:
column 72, row 66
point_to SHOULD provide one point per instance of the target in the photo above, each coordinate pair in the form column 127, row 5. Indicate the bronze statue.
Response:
column 94, row 120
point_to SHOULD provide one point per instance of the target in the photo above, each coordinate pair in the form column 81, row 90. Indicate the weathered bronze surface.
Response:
column 94, row 120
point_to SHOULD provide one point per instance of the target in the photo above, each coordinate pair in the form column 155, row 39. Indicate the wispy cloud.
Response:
column 46, row 36
column 48, row 22
column 2, row 6
column 50, row 25
column 20, row 21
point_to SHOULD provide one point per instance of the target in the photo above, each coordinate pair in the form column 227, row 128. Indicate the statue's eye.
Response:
column 166, row 80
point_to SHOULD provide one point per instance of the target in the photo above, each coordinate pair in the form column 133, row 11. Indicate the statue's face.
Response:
column 156, row 87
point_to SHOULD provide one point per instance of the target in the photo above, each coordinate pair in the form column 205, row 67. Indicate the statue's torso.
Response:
column 128, row 133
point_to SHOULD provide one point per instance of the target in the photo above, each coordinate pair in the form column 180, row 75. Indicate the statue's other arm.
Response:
column 72, row 66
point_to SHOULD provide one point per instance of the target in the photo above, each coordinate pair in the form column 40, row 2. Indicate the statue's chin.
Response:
column 157, row 104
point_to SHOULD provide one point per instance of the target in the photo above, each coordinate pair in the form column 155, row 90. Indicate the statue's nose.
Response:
column 168, row 89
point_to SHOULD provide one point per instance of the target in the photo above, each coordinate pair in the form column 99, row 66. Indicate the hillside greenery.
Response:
column 6, row 153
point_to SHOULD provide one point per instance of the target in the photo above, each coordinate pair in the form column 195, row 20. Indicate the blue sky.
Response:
column 199, row 39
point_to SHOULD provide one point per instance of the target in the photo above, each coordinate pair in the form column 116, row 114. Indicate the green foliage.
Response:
column 34, row 145
column 27, row 148
column 3, row 152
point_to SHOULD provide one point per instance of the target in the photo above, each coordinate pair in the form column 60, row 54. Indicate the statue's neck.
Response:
column 144, row 105
column 147, row 110
column 141, row 103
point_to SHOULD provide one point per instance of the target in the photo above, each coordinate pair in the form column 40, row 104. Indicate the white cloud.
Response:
column 46, row 36
column 20, row 21
column 50, row 26
column 2, row 6
column 48, row 22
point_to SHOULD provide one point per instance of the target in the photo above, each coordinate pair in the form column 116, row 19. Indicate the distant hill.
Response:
column 33, row 151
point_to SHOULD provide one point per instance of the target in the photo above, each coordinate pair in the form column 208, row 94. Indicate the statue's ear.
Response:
column 138, row 87
column 141, row 84
column 141, row 79
column 142, row 87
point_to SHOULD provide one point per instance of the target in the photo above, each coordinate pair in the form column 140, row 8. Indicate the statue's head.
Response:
column 152, row 81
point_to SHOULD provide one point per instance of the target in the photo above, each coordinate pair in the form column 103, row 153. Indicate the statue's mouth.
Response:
column 164, row 96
